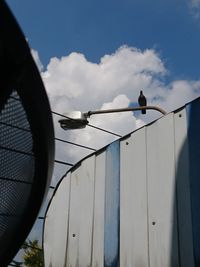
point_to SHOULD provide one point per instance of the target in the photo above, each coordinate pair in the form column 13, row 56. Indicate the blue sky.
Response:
column 86, row 65
column 100, row 54
column 96, row 28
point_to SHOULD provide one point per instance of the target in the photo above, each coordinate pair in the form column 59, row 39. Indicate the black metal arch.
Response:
column 26, row 157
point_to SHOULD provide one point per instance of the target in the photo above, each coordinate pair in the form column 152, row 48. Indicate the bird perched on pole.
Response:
column 142, row 101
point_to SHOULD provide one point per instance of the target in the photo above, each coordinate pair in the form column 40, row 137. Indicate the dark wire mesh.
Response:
column 17, row 167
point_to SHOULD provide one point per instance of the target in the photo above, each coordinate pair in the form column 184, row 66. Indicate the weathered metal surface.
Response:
column 194, row 163
column 163, row 241
column 49, row 234
column 135, row 203
column 99, row 207
column 112, row 206
column 57, row 219
column 80, row 233
column 183, row 189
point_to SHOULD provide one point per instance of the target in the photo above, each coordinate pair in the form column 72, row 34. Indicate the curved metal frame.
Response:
column 20, row 72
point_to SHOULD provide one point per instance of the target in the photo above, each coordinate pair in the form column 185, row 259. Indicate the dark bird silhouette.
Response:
column 142, row 101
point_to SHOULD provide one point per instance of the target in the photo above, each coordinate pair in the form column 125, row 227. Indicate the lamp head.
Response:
column 74, row 120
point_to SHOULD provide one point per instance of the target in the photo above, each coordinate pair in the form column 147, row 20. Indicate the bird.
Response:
column 142, row 101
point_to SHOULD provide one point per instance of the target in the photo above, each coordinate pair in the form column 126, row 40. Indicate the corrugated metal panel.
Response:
column 112, row 206
column 135, row 203
column 57, row 218
column 49, row 234
column 163, row 247
column 80, row 236
column 183, row 189
column 99, row 196
column 194, row 163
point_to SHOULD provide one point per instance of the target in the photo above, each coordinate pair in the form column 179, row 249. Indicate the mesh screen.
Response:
column 17, row 167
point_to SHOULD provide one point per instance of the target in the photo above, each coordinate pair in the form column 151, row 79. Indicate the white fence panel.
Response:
column 133, row 201
column 163, row 242
column 81, row 214
column 183, row 189
column 112, row 206
column 57, row 218
column 98, row 230
column 50, row 233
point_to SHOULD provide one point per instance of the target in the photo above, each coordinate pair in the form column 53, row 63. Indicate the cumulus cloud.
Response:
column 74, row 83
column 83, row 84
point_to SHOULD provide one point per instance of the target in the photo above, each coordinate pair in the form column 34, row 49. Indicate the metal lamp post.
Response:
column 79, row 120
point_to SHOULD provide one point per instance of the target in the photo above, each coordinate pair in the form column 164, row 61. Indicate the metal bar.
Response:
column 90, row 125
column 57, row 139
column 14, row 126
column 62, row 162
column 89, row 113
column 26, row 153
column 16, row 151
column 103, row 130
column 15, row 180
column 71, row 143
column 14, row 265
column 52, row 187
column 10, row 215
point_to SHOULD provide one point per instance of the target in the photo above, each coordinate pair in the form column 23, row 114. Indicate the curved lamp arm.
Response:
column 78, row 120
column 89, row 113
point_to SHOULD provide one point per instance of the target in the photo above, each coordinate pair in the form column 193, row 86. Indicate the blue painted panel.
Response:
column 112, row 203
column 193, row 111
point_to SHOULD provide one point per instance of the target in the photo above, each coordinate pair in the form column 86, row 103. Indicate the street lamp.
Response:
column 78, row 119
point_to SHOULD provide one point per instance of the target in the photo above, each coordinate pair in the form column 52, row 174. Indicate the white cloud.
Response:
column 74, row 83
column 80, row 84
